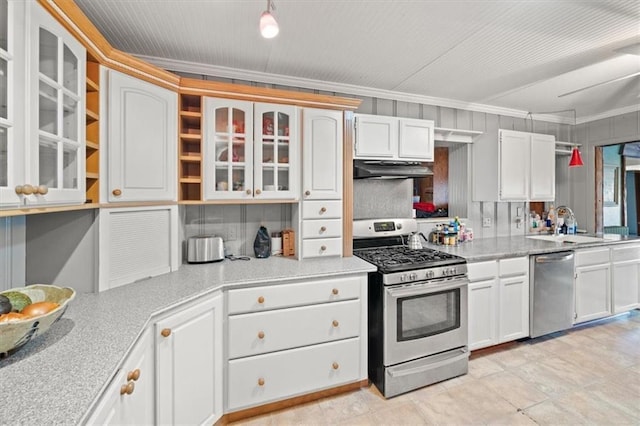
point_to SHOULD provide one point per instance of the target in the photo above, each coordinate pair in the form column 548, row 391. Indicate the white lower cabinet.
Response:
column 498, row 301
column 291, row 339
column 129, row 399
column 592, row 284
column 189, row 364
column 625, row 274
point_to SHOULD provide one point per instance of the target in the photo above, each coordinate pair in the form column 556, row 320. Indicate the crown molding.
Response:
column 354, row 90
column 340, row 88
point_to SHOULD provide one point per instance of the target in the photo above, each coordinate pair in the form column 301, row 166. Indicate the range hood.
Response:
column 389, row 169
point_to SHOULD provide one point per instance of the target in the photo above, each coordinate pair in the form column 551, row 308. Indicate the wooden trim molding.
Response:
column 279, row 405
column 264, row 94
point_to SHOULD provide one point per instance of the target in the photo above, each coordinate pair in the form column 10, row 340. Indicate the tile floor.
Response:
column 588, row 375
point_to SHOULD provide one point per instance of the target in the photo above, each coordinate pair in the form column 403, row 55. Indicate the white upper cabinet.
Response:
column 142, row 134
column 54, row 152
column 416, row 139
column 392, row 138
column 321, row 154
column 523, row 169
column 251, row 150
column 12, row 94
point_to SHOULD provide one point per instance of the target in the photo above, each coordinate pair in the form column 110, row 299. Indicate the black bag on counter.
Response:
column 262, row 243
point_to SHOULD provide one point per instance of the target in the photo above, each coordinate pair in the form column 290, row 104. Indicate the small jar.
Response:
column 469, row 234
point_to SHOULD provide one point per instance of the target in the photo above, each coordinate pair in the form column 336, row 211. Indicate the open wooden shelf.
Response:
column 92, row 136
column 190, row 150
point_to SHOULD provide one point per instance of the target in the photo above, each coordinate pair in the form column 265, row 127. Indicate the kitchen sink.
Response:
column 574, row 239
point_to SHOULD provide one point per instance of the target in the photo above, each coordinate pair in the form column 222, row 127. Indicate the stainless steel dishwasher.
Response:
column 551, row 292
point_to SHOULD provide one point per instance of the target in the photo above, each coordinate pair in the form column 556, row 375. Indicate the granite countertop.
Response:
column 57, row 376
column 501, row 247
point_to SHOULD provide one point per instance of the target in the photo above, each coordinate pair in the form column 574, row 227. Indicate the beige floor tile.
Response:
column 513, row 419
column 590, row 408
column 587, row 360
column 624, row 397
column 484, row 366
column 515, row 390
column 263, row 420
column 309, row 414
column 543, row 378
column 485, row 404
column 342, row 407
column 443, row 409
column 551, row 413
column 405, row 414
column 570, row 373
column 517, row 356
column 362, row 420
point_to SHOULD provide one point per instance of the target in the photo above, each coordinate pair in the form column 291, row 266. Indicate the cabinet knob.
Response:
column 133, row 375
column 335, row 291
column 28, row 189
column 323, row 228
column 19, row 189
column 335, row 365
column 42, row 189
column 248, row 192
column 261, row 335
column 323, row 210
column 127, row 389
column 307, row 193
column 335, row 323
column 260, row 381
column 166, row 332
column 323, row 248
column 258, row 191
column 260, row 299
column 116, row 192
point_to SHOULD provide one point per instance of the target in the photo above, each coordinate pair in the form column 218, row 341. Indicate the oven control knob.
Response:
column 398, row 226
column 413, row 276
column 430, row 274
column 403, row 278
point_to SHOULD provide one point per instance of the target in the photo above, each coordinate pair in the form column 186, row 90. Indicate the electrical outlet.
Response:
column 486, row 222
column 231, row 232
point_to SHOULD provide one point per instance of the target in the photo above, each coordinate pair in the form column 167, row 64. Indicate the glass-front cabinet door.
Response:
column 12, row 95
column 228, row 157
column 276, row 147
column 57, row 144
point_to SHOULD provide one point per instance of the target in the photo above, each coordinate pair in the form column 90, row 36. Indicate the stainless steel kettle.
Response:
column 414, row 242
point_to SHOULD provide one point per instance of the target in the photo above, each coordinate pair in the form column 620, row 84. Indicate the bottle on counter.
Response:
column 551, row 217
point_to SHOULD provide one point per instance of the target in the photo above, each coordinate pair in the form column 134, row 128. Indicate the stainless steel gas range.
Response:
column 417, row 308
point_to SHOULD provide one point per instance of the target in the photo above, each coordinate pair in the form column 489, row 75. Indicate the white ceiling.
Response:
column 475, row 54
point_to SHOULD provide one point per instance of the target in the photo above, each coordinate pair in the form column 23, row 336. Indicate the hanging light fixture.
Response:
column 268, row 25
column 576, row 158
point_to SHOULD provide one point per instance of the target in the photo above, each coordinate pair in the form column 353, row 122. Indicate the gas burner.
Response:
column 402, row 258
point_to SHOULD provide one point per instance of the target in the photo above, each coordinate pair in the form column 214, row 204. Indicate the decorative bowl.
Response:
column 16, row 333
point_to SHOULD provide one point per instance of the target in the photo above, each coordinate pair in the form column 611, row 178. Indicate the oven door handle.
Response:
column 416, row 289
column 464, row 353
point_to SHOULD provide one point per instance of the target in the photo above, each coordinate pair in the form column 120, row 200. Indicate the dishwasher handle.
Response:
column 555, row 258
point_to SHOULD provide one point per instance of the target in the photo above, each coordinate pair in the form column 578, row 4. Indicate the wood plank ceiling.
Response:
column 520, row 55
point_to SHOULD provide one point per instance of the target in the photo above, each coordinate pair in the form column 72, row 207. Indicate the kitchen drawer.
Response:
column 322, row 209
column 265, row 378
column 322, row 228
column 514, row 266
column 625, row 253
column 482, row 270
column 264, row 298
column 321, row 247
column 261, row 332
column 592, row 257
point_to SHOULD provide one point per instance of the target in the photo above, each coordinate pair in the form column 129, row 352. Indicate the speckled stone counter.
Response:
column 56, row 377
column 497, row 248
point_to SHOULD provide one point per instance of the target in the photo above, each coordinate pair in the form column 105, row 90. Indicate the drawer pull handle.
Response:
column 258, row 191
column 335, row 323
column 248, row 192
column 260, row 299
column 260, row 381
column 323, row 228
column 335, row 291
column 133, row 375
column 307, row 193
column 42, row 189
column 27, row 189
column 116, row 192
column 323, row 248
column 323, row 210
column 166, row 332
column 127, row 389
column 261, row 335
column 335, row 365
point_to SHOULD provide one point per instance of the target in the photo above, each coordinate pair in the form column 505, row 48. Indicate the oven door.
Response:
column 424, row 318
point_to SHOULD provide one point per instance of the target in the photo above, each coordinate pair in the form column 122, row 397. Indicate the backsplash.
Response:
column 236, row 224
column 382, row 198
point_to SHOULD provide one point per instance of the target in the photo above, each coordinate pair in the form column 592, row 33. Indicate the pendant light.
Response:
column 576, row 158
column 268, row 25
